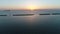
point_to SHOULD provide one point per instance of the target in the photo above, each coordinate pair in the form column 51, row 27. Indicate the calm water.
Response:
column 49, row 24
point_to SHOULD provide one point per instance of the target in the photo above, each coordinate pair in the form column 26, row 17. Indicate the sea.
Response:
column 35, row 24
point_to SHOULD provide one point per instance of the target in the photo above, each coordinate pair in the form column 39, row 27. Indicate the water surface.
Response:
column 49, row 24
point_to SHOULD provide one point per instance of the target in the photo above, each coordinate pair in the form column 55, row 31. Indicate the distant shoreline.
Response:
column 29, row 10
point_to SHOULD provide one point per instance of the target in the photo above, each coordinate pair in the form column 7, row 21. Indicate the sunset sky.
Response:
column 29, row 4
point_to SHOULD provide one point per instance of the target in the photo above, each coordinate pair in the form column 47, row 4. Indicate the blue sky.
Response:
column 6, row 4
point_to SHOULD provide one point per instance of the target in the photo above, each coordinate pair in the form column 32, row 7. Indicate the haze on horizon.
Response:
column 29, row 4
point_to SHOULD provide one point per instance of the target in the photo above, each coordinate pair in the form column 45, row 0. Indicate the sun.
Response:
column 31, row 7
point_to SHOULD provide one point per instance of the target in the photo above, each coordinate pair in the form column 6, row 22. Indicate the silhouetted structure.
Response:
column 3, row 15
column 23, row 14
column 45, row 14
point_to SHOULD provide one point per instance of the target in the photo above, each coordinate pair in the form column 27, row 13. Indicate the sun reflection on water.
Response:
column 31, row 19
